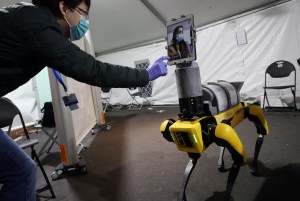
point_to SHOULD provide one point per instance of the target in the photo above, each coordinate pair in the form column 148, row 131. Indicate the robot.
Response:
column 208, row 114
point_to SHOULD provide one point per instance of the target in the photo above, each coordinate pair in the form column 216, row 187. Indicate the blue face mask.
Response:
column 179, row 37
column 78, row 31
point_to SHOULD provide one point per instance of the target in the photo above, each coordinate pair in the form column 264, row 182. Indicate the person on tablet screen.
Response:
column 179, row 48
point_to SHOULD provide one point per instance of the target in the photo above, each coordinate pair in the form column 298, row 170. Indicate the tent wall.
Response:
column 25, row 99
column 30, row 98
column 161, row 87
column 272, row 34
column 43, row 88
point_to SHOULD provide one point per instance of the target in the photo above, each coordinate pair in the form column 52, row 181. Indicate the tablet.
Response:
column 181, row 40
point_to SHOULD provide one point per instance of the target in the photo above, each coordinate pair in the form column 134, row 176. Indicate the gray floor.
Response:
column 133, row 162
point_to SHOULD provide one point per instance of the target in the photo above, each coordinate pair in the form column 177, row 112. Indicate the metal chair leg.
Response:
column 268, row 101
column 295, row 104
column 48, row 185
column 265, row 93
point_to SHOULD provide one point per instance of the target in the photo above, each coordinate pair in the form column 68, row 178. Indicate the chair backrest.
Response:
column 280, row 69
column 134, row 91
column 8, row 111
column 106, row 94
column 105, row 89
column 145, row 91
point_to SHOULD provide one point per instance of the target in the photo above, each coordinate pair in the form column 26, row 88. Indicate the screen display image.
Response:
column 181, row 40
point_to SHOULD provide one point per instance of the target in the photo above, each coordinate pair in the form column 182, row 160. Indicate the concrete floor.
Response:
column 133, row 162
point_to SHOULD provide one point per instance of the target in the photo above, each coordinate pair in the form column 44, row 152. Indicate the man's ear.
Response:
column 63, row 8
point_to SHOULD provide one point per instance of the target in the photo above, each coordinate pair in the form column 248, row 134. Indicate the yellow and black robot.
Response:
column 208, row 115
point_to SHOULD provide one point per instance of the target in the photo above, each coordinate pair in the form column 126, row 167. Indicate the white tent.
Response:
column 119, row 24
column 270, row 34
column 122, row 24
column 129, row 30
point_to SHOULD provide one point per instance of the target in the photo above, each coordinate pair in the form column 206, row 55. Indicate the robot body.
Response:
column 208, row 115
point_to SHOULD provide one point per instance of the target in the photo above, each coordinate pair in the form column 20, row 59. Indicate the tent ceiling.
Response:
column 117, row 24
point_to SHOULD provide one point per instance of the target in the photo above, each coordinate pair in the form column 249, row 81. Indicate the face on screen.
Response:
column 180, row 41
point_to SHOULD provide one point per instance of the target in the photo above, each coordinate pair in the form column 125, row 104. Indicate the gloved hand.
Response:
column 159, row 68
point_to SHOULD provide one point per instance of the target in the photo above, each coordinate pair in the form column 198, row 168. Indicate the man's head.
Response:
column 67, row 12
column 54, row 5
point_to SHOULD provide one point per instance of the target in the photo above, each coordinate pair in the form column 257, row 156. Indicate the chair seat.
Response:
column 27, row 143
column 279, row 87
column 136, row 94
column 39, row 126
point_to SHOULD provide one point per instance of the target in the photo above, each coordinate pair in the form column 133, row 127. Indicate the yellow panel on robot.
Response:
column 187, row 136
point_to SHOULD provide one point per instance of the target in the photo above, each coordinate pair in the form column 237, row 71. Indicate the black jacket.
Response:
column 31, row 38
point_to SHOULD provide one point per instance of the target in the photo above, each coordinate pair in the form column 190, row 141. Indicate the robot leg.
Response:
column 234, row 171
column 256, row 115
column 221, row 160
column 225, row 136
column 188, row 171
column 253, row 166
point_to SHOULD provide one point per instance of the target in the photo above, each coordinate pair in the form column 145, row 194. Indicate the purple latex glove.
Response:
column 159, row 68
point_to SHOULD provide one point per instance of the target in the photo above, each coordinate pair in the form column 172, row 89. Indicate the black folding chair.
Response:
column 278, row 71
column 105, row 97
column 8, row 112
column 136, row 93
column 140, row 92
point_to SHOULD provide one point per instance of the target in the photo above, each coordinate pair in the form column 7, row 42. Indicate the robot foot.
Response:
column 253, row 167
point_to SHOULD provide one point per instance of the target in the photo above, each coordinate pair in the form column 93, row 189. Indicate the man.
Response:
column 35, row 36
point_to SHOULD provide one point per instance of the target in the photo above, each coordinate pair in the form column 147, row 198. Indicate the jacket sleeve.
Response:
column 52, row 48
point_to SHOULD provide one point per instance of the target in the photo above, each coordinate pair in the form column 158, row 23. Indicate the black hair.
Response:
column 174, row 41
column 181, row 45
column 53, row 5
